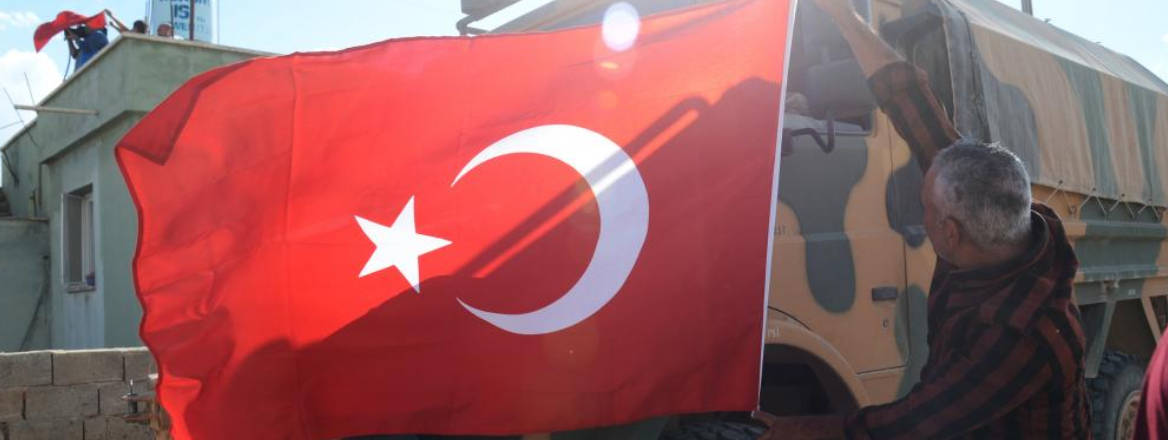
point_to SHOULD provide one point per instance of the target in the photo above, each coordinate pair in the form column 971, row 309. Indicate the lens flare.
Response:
column 620, row 27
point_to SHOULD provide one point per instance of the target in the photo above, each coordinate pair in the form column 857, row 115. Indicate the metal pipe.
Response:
column 68, row 111
column 192, row 22
column 1028, row 7
column 464, row 27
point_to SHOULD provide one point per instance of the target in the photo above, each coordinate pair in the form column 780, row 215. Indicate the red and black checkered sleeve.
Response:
column 902, row 91
column 999, row 370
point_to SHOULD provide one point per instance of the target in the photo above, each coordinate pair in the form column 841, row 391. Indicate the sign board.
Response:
column 178, row 14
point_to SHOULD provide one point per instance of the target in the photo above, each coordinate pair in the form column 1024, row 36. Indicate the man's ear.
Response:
column 951, row 230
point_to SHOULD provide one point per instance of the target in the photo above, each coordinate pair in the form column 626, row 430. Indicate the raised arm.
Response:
column 901, row 89
column 870, row 50
column 71, row 42
column 121, row 27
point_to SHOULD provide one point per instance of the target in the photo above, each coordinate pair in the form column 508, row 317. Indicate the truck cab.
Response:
column 852, row 265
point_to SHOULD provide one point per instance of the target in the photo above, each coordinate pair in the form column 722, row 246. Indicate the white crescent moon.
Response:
column 623, row 204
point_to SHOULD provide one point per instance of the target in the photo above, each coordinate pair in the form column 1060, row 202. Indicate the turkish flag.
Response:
column 64, row 20
column 490, row 235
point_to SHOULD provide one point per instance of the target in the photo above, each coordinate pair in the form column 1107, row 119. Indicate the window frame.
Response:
column 78, row 239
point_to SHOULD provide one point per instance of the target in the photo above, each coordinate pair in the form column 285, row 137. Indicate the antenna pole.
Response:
column 27, row 83
column 192, row 24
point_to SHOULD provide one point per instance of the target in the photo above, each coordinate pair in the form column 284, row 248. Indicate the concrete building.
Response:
column 69, row 231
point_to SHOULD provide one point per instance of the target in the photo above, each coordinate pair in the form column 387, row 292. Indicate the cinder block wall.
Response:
column 72, row 395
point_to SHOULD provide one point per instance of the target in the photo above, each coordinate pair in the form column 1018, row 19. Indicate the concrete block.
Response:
column 139, row 364
column 86, row 366
column 118, row 429
column 11, row 404
column 110, row 398
column 95, row 428
column 24, row 369
column 75, row 401
column 71, row 429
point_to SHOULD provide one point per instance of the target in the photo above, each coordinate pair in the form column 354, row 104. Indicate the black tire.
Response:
column 1120, row 375
column 713, row 430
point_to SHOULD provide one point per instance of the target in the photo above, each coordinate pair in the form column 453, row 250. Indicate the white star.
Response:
column 398, row 245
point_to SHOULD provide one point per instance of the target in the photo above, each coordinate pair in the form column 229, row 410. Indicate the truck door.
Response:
column 922, row 39
column 839, row 264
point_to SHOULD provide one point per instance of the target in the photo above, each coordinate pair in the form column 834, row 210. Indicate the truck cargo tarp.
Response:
column 1083, row 117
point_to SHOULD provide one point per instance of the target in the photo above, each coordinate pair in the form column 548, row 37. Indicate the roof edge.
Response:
column 101, row 55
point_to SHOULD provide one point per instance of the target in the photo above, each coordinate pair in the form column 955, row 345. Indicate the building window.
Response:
column 77, row 240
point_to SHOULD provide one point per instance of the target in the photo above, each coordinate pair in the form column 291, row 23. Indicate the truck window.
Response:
column 824, row 80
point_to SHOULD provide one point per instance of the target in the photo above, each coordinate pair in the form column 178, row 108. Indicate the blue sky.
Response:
column 1134, row 27
column 267, row 25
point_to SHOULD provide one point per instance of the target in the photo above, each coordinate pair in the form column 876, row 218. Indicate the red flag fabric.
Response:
column 64, row 20
column 489, row 235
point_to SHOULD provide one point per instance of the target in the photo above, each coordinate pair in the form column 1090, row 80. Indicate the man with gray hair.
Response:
column 1006, row 347
column 977, row 204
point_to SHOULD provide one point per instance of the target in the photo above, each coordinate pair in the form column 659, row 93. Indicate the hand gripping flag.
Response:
column 64, row 20
column 490, row 235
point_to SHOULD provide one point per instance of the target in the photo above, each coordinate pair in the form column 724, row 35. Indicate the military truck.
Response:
column 852, row 265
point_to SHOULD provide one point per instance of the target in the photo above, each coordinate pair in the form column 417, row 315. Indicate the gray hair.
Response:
column 986, row 188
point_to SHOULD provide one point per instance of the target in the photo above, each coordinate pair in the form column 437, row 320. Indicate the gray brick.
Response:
column 139, row 364
column 76, row 401
column 26, row 369
column 95, row 428
column 118, row 429
column 11, row 404
column 86, row 366
column 110, row 398
column 46, row 430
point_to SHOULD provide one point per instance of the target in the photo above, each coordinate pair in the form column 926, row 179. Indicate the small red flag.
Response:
column 64, row 20
column 489, row 235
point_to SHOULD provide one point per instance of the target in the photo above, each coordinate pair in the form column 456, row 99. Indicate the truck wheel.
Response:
column 713, row 431
column 1115, row 396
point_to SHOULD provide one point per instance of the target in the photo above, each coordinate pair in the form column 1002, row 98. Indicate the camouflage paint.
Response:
column 1012, row 122
column 1063, row 152
column 912, row 337
column 903, row 203
column 816, row 186
column 1143, row 107
column 1088, row 89
column 1117, row 245
column 988, row 109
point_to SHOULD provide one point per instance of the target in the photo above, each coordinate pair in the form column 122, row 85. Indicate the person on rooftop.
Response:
column 139, row 26
column 84, row 43
column 165, row 30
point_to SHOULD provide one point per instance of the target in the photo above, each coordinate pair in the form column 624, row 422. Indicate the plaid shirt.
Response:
column 1006, row 347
